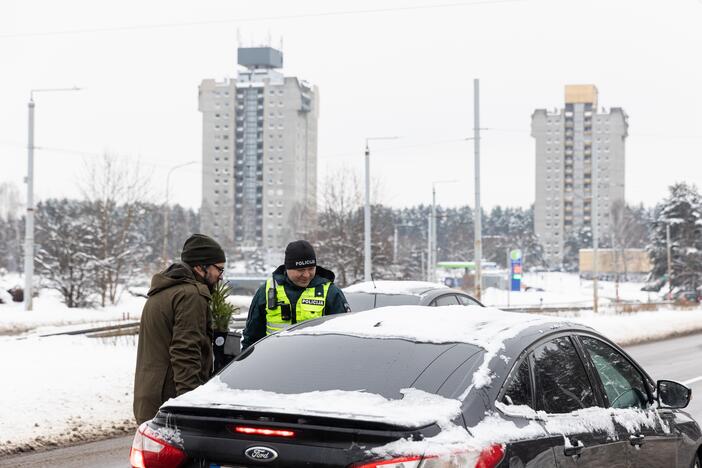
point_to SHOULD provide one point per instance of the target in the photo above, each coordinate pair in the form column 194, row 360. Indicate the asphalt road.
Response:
column 676, row 359
column 110, row 453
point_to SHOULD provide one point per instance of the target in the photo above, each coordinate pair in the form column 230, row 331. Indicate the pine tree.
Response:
column 577, row 239
column 682, row 212
column 65, row 238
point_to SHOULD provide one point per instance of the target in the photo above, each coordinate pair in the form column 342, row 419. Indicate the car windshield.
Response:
column 307, row 363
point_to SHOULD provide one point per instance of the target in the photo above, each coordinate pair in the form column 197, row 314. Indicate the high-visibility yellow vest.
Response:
column 310, row 305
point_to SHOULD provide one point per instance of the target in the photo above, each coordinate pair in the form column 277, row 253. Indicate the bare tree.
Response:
column 340, row 232
column 116, row 192
column 627, row 231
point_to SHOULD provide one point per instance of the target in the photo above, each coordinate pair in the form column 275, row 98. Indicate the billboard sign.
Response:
column 515, row 269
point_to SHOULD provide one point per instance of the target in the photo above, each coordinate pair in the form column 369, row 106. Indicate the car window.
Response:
column 465, row 300
column 383, row 300
column 623, row 384
column 562, row 384
column 445, row 300
column 518, row 390
column 360, row 301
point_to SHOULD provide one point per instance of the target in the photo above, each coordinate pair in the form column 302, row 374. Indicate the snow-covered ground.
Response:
column 61, row 389
column 566, row 289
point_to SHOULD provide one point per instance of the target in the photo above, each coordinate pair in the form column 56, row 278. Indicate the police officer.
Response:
column 297, row 291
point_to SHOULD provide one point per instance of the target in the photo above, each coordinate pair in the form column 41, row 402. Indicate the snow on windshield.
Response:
column 394, row 287
column 485, row 327
column 416, row 408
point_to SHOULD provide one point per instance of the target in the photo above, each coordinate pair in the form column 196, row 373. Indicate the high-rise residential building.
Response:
column 259, row 154
column 570, row 142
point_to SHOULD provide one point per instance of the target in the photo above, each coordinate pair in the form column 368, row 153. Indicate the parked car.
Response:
column 374, row 294
column 418, row 387
column 684, row 295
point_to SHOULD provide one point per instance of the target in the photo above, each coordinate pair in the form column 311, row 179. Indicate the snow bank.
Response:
column 62, row 389
column 49, row 312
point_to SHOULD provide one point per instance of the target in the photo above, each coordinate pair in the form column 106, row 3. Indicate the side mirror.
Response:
column 672, row 394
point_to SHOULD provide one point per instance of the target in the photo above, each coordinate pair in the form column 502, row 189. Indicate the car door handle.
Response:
column 637, row 440
column 574, row 450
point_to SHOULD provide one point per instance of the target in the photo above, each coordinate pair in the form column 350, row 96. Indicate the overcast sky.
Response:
column 383, row 67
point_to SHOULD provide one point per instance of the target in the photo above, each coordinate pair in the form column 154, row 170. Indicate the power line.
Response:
column 256, row 19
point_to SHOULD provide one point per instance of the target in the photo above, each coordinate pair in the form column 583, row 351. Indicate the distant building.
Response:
column 259, row 154
column 610, row 262
column 567, row 141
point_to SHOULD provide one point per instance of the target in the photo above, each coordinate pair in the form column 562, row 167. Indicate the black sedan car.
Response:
column 417, row 387
column 374, row 294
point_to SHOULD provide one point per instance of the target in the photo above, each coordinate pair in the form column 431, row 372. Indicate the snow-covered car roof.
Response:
column 481, row 326
column 412, row 288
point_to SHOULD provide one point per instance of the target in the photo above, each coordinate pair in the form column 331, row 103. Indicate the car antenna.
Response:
column 373, row 280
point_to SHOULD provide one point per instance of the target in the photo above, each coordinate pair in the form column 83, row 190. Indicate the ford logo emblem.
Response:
column 263, row 454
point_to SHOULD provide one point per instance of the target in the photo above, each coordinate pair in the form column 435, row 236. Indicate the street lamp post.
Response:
column 668, row 255
column 166, row 209
column 367, row 267
column 431, row 276
column 395, row 239
column 477, row 222
column 29, row 220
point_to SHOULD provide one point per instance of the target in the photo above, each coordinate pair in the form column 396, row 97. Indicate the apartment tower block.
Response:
column 568, row 141
column 259, row 154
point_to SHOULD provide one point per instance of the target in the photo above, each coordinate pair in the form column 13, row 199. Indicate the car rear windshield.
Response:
column 307, row 363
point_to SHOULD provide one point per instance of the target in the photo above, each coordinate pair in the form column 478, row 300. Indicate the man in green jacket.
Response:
column 174, row 354
column 298, row 290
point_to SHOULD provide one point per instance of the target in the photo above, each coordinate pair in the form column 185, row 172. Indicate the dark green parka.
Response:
column 255, row 328
column 174, row 354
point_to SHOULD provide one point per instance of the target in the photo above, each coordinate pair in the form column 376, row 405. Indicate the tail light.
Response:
column 262, row 431
column 489, row 457
column 150, row 450
column 404, row 462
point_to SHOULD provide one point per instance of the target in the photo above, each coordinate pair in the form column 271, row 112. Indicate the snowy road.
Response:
column 676, row 359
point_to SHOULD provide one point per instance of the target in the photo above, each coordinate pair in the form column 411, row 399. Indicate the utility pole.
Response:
column 478, row 227
column 670, row 263
column 367, row 263
column 432, row 244
column 429, row 247
column 29, row 220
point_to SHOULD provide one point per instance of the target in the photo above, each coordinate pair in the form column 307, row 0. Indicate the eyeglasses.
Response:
column 219, row 269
